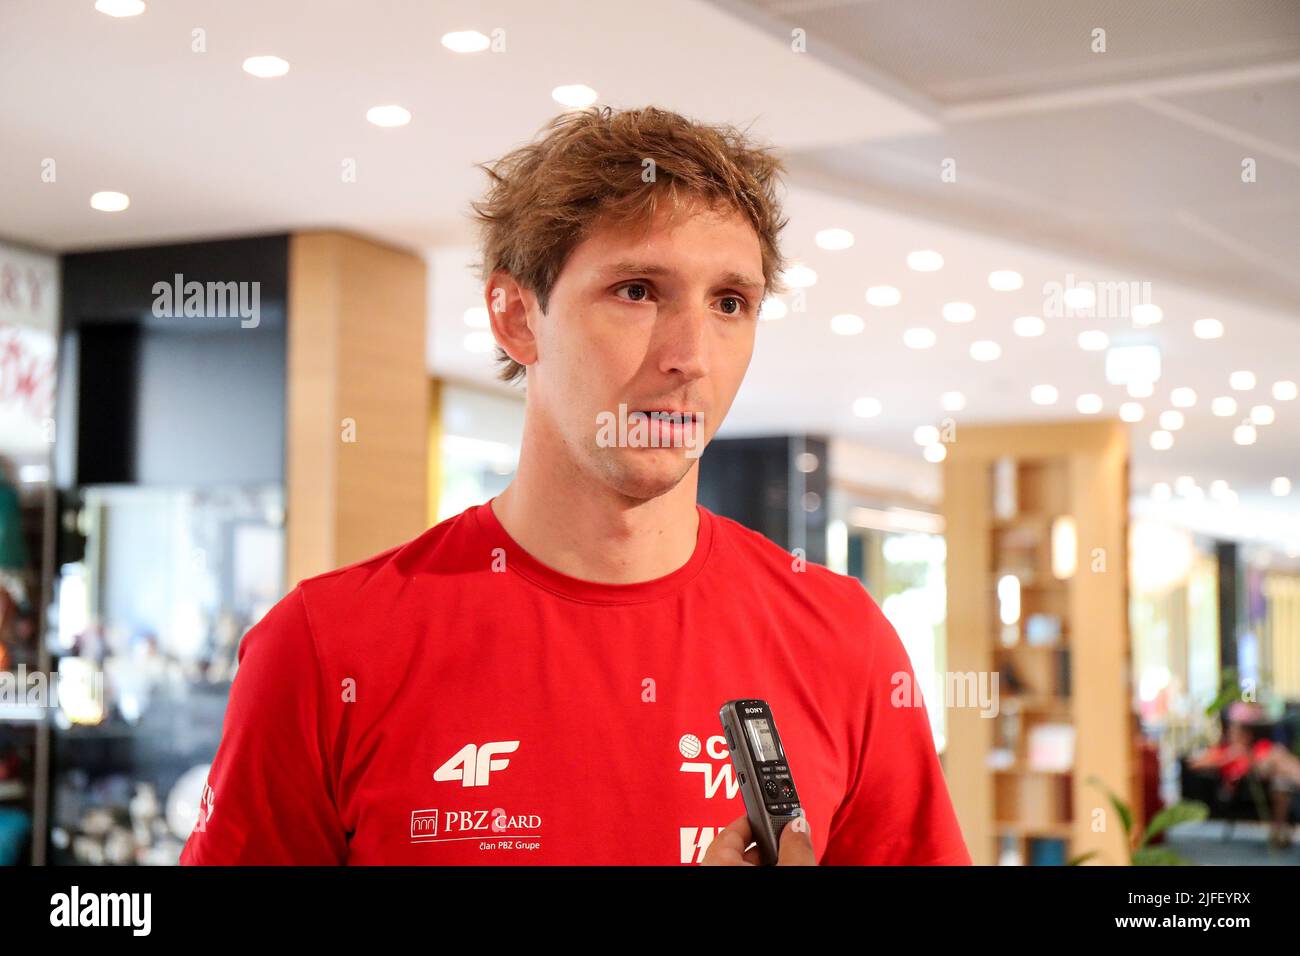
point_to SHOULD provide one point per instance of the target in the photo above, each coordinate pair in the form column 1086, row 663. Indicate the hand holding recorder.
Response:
column 773, row 818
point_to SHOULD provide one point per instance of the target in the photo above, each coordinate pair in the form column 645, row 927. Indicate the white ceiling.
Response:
column 1111, row 168
column 204, row 149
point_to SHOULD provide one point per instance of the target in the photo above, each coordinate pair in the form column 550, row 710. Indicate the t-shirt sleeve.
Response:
column 269, row 798
column 897, row 811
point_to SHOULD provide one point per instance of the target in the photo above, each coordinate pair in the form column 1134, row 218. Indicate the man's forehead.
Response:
column 617, row 250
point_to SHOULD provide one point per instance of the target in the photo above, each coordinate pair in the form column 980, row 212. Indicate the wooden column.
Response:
column 358, row 401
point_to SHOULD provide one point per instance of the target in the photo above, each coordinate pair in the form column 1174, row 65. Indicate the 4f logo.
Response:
column 472, row 764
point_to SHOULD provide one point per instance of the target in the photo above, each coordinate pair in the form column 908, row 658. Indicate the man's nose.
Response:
column 683, row 342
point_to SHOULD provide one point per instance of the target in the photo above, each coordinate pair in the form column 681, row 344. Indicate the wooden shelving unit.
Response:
column 1036, row 525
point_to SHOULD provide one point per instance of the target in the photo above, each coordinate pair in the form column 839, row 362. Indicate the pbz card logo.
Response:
column 717, row 776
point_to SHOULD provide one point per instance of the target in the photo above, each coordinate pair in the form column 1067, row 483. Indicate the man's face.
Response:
column 659, row 320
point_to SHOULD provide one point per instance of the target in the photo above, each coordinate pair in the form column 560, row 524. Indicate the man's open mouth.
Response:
column 670, row 417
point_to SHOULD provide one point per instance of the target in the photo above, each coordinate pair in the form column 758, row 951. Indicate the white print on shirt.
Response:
column 696, row 841
column 495, row 829
column 472, row 764
column 207, row 802
column 714, row 776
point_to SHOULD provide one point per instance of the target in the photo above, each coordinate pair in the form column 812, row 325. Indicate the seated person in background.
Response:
column 1240, row 753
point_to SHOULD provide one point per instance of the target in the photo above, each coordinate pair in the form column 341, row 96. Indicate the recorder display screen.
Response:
column 762, row 740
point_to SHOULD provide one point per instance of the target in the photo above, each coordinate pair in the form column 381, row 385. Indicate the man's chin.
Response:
column 645, row 474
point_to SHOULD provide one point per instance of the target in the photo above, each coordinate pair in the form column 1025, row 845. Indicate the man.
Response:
column 538, row 679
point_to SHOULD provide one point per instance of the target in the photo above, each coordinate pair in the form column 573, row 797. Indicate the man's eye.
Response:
column 736, row 306
column 636, row 291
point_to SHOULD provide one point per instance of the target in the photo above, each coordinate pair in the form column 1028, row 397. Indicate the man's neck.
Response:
column 590, row 532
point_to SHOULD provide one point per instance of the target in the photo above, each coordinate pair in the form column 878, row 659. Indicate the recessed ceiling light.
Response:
column 1171, row 420
column 918, row 338
column 1146, row 314
column 1242, row 381
column 1093, row 340
column 985, row 350
column 120, row 8
column 847, row 324
column 1284, row 391
column 476, row 317
column 884, row 296
column 1224, row 406
column 1162, row 440
column 1196, row 493
column 772, row 308
column 866, row 407
column 1280, row 486
column 924, row 260
column 1244, row 434
column 1080, row 297
column 266, row 67
column 1140, row 389
column 1029, row 326
column 953, row 401
column 1043, row 395
column 388, row 116
column 1005, row 280
column 1219, row 489
column 1262, row 415
column 925, row 435
column 834, row 240
column 1089, row 404
column 799, row 276
column 1160, row 491
column 1182, row 397
column 1131, row 412
column 935, row 453
column 479, row 342
column 1207, row 329
column 110, row 201
column 1132, row 363
column 466, row 41
column 959, row 311
column 575, row 96
column 1184, row 484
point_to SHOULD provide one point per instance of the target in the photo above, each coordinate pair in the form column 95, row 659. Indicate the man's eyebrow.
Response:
column 631, row 268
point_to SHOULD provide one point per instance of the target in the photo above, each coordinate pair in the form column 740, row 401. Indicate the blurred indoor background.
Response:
column 1034, row 382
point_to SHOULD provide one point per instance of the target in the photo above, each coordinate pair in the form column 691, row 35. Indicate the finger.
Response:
column 728, row 847
column 796, row 844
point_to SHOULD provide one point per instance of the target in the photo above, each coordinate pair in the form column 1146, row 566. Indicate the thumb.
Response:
column 796, row 847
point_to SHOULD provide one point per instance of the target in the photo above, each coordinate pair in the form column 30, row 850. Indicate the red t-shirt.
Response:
column 454, row 701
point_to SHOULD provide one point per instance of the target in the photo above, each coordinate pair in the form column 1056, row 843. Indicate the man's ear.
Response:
column 509, row 306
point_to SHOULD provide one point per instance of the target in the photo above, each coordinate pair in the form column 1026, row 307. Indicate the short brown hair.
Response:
column 591, row 164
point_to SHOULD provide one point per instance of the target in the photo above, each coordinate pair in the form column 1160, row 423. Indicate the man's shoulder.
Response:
column 789, row 569
column 432, row 551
